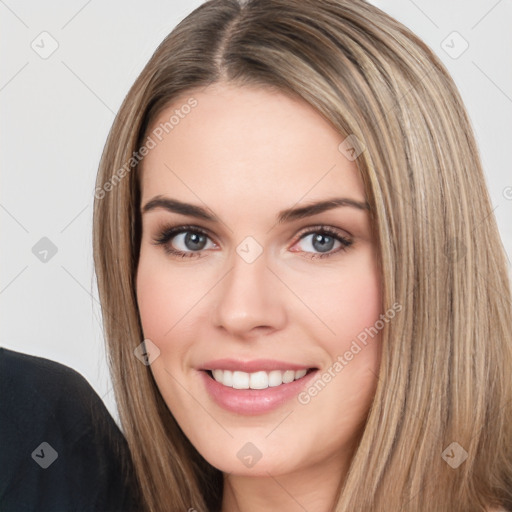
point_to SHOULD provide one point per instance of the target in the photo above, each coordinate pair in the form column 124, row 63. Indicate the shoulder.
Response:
column 62, row 449
column 34, row 374
column 37, row 391
column 12, row 361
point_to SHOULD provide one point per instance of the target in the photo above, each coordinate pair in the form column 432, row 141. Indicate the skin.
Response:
column 246, row 154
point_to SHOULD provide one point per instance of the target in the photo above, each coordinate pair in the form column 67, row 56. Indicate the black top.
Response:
column 60, row 448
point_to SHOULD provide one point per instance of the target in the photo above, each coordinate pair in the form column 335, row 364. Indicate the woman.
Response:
column 306, row 299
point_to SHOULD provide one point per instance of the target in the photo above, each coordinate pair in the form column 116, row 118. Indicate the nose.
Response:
column 249, row 299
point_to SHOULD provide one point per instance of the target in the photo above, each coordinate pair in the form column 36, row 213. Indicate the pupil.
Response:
column 194, row 239
column 326, row 246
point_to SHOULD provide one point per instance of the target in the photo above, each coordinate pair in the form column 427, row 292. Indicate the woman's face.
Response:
column 256, row 292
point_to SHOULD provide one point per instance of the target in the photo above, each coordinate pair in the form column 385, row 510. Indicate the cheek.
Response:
column 346, row 300
column 161, row 307
column 360, row 301
column 152, row 297
column 163, row 297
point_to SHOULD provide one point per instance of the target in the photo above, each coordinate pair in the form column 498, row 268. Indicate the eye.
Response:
column 183, row 241
column 323, row 239
column 190, row 241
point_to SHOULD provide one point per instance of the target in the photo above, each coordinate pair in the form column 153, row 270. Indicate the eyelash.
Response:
column 168, row 232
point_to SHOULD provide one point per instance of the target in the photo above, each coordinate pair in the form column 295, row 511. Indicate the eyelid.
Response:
column 345, row 241
column 166, row 232
column 166, row 228
column 325, row 227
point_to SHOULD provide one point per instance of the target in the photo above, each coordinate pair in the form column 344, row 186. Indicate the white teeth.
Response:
column 227, row 378
column 240, row 380
column 288, row 376
column 275, row 378
column 256, row 380
column 300, row 373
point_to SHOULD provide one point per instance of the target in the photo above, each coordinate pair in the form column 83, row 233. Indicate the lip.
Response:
column 252, row 366
column 252, row 402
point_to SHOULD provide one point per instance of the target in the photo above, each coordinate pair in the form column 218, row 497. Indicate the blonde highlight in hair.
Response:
column 446, row 358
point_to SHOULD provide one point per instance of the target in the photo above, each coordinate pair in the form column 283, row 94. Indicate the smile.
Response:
column 256, row 380
column 257, row 386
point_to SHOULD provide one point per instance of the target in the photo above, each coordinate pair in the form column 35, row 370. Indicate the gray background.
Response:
column 57, row 110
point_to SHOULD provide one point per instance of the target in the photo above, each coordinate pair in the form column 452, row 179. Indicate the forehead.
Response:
column 242, row 144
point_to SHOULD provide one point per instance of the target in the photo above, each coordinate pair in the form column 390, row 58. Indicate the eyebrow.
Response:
column 288, row 215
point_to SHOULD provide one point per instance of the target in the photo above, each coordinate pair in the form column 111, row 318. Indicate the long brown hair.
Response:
column 445, row 385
